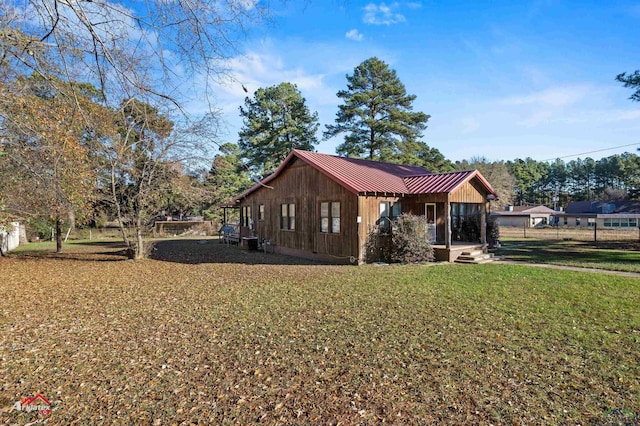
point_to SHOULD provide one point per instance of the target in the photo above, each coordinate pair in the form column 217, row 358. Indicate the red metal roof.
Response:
column 364, row 176
column 435, row 183
column 444, row 182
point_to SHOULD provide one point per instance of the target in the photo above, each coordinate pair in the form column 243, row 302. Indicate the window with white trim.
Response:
column 246, row 216
column 288, row 217
column 622, row 222
column 330, row 217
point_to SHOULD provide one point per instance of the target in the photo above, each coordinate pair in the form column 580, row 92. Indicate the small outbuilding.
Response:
column 323, row 206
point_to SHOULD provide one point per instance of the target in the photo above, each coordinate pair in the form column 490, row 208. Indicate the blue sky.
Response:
column 502, row 80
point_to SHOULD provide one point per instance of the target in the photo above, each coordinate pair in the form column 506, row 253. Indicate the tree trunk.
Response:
column 114, row 195
column 139, row 239
column 58, row 234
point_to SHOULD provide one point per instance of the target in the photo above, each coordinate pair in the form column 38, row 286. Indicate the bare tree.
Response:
column 144, row 52
column 126, row 48
column 143, row 162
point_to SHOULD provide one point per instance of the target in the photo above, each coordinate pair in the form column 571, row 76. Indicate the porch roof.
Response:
column 444, row 182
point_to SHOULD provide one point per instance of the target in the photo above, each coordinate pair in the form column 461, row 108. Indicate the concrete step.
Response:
column 475, row 262
column 476, row 257
column 472, row 253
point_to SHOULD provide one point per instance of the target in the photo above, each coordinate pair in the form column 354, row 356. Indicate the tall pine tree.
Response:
column 275, row 122
column 377, row 114
column 631, row 81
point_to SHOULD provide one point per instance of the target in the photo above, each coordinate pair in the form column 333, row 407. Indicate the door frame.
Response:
column 432, row 227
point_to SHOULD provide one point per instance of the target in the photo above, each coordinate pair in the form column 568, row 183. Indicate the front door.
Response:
column 430, row 214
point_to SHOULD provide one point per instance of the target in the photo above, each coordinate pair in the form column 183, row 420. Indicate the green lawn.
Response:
column 615, row 256
column 222, row 342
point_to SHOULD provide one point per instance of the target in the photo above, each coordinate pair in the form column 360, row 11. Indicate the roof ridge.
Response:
column 365, row 160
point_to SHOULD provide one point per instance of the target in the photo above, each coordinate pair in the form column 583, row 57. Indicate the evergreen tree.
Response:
column 227, row 178
column 275, row 122
column 631, row 81
column 377, row 113
column 418, row 153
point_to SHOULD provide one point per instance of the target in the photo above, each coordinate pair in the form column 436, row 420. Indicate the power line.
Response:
column 592, row 152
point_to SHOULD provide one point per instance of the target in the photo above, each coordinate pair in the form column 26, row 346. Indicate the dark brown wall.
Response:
column 305, row 187
column 369, row 207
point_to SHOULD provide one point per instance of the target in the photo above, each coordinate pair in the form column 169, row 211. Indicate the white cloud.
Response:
column 556, row 97
column 552, row 104
column 270, row 62
column 246, row 4
column 414, row 5
column 382, row 14
column 628, row 115
column 354, row 35
column 254, row 70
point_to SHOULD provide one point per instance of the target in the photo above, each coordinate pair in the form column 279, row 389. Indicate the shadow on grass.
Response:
column 186, row 251
column 196, row 251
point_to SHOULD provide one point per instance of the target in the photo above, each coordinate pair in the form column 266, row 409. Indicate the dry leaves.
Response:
column 235, row 338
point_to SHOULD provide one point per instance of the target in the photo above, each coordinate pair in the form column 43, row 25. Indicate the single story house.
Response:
column 604, row 214
column 527, row 216
column 323, row 206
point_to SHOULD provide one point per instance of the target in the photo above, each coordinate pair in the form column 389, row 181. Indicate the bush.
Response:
column 407, row 242
column 378, row 246
column 40, row 227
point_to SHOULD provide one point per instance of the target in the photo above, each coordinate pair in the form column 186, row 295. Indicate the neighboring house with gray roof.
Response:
column 606, row 214
column 323, row 206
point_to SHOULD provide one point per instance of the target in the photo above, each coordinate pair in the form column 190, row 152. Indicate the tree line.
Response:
column 378, row 123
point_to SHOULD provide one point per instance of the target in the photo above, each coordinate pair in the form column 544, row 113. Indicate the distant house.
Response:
column 323, row 206
column 606, row 214
column 528, row 216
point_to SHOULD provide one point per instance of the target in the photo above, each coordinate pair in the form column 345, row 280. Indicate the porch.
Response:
column 444, row 254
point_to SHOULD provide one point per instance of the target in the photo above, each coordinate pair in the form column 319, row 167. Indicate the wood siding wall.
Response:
column 369, row 208
column 470, row 192
column 304, row 186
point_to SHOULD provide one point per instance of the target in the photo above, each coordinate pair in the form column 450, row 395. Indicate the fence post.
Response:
column 595, row 232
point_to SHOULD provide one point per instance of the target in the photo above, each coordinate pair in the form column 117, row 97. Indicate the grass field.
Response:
column 214, row 335
column 610, row 255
